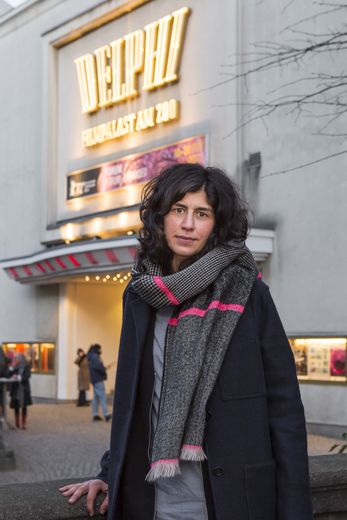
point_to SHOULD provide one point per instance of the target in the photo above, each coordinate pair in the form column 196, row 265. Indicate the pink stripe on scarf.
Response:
column 259, row 275
column 213, row 305
column 159, row 282
column 226, row 306
column 194, row 311
column 192, row 447
column 163, row 461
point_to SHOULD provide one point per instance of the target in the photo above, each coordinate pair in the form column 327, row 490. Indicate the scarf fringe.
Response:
column 163, row 468
column 192, row 453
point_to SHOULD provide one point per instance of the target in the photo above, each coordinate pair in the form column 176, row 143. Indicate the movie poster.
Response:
column 319, row 362
column 320, row 359
column 300, row 357
column 134, row 169
column 338, row 362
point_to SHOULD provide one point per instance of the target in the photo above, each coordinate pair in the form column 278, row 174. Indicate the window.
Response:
column 40, row 355
column 320, row 359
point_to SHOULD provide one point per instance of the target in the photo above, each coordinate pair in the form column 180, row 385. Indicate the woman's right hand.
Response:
column 90, row 488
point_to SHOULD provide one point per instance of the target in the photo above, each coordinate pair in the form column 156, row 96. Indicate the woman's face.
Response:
column 188, row 226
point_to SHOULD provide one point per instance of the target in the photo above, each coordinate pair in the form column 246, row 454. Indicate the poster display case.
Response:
column 320, row 359
column 41, row 356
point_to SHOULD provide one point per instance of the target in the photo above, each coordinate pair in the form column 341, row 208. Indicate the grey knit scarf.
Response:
column 210, row 296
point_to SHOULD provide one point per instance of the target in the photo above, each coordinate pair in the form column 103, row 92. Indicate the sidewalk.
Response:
column 63, row 442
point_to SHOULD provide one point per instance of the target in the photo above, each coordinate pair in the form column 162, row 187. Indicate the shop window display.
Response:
column 41, row 355
column 320, row 359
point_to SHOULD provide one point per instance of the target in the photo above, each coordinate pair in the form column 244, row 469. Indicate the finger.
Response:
column 104, row 506
column 82, row 490
column 69, row 492
column 69, row 486
column 93, row 491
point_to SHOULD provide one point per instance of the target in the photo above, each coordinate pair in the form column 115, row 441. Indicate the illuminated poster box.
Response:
column 320, row 359
column 132, row 172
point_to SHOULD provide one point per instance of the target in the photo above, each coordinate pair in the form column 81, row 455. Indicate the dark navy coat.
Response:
column 97, row 371
column 255, row 437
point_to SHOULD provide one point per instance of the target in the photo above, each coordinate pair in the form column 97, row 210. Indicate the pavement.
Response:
column 62, row 441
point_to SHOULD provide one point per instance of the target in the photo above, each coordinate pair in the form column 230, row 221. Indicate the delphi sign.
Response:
column 111, row 74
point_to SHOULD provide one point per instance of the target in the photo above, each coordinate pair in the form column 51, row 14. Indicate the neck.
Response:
column 175, row 263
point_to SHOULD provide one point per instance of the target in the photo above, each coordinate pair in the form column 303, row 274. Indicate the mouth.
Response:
column 185, row 239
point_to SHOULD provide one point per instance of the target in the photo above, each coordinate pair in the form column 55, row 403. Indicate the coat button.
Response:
column 218, row 472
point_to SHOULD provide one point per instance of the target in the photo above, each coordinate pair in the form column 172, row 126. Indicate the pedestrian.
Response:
column 83, row 377
column 208, row 422
column 20, row 393
column 4, row 373
column 98, row 375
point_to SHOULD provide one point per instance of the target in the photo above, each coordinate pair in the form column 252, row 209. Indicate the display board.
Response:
column 320, row 359
column 131, row 172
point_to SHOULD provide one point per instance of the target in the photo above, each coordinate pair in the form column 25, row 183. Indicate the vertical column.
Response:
column 67, row 372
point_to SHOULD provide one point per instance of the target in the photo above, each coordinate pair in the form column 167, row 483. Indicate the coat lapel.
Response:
column 142, row 314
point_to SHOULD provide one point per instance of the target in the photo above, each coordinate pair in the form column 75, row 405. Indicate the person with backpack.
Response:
column 98, row 375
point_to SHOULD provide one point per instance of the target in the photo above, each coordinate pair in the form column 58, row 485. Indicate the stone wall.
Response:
column 42, row 501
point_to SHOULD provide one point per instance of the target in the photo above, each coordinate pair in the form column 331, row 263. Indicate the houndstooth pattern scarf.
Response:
column 209, row 297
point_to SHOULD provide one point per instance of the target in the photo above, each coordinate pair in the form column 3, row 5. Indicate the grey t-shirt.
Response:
column 181, row 497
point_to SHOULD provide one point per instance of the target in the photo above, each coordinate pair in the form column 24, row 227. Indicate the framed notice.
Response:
column 129, row 174
column 320, row 359
column 300, row 356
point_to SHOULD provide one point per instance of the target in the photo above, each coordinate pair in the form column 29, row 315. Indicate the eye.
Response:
column 177, row 210
column 202, row 214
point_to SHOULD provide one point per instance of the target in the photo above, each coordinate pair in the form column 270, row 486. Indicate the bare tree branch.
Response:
column 301, row 166
column 319, row 94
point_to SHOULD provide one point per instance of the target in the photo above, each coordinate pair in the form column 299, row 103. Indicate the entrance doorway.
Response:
column 89, row 312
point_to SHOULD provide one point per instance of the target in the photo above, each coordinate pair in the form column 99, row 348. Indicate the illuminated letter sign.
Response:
column 88, row 83
column 110, row 75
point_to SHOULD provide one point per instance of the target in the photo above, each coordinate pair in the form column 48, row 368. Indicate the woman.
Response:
column 83, row 377
column 20, row 394
column 208, row 419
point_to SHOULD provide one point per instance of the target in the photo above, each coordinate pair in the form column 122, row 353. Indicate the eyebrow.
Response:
column 201, row 208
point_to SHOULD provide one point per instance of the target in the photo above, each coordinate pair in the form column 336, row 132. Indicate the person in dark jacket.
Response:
column 83, row 377
column 208, row 420
column 20, row 393
column 4, row 372
column 98, row 375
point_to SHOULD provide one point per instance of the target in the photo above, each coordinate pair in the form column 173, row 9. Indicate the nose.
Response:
column 188, row 221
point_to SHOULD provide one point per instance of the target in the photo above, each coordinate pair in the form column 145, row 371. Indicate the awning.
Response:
column 54, row 265
column 58, row 264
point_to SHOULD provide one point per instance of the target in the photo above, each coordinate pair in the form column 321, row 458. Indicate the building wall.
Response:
column 27, row 313
column 305, row 206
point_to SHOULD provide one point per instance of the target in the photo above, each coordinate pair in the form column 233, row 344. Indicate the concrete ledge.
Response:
column 42, row 500
column 329, row 486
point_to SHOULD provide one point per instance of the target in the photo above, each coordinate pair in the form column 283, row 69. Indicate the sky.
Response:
column 15, row 3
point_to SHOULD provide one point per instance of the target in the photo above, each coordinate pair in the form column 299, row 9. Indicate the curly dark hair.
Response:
column 172, row 185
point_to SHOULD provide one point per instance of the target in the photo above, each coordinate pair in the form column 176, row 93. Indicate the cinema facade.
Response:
column 100, row 96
